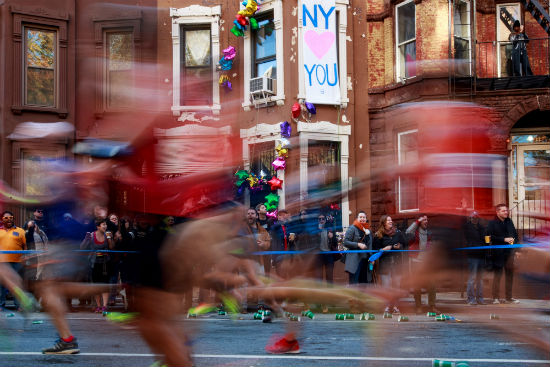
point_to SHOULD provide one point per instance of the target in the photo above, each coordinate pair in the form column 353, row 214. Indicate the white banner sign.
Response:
column 320, row 52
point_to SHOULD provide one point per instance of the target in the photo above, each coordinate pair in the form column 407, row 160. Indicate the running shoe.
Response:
column 62, row 347
column 512, row 300
column 283, row 346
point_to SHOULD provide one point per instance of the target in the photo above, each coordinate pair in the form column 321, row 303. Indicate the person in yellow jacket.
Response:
column 12, row 238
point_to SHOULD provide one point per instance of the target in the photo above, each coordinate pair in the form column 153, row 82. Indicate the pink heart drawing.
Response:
column 319, row 43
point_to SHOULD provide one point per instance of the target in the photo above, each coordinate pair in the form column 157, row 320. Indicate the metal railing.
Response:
column 532, row 216
column 494, row 58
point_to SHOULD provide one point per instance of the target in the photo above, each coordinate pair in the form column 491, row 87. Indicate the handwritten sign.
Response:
column 319, row 46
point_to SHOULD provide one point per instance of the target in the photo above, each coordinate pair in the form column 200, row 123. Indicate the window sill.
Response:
column 18, row 110
column 214, row 109
column 264, row 102
column 343, row 101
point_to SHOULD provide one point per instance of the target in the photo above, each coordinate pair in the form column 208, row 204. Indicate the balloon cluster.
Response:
column 245, row 179
column 301, row 109
column 225, row 64
column 245, row 17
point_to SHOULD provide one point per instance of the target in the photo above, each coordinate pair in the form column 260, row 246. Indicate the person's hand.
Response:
column 292, row 236
column 509, row 240
column 362, row 246
column 521, row 29
column 397, row 246
column 30, row 224
column 109, row 235
column 387, row 248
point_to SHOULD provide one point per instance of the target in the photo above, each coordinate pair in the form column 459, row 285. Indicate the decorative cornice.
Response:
column 196, row 11
column 323, row 127
column 261, row 130
column 39, row 12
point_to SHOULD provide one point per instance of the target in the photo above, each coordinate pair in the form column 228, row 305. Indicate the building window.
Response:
column 119, row 73
column 118, row 51
column 507, row 14
column 196, row 65
column 265, row 51
column 40, row 67
column 407, row 153
column 39, row 63
column 462, row 39
column 262, row 155
column 261, row 47
column 195, row 51
column 406, row 40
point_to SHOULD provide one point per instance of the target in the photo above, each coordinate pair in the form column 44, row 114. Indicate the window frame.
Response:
column 469, row 39
column 399, row 162
column 101, row 28
column 27, row 27
column 192, row 27
column 194, row 15
column 497, row 32
column 21, row 21
column 255, row 61
column 398, row 45
column 276, row 6
column 341, row 40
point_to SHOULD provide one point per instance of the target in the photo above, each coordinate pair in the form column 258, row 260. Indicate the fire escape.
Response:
column 464, row 81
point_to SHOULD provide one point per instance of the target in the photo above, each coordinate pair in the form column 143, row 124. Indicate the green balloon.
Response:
column 253, row 23
column 237, row 32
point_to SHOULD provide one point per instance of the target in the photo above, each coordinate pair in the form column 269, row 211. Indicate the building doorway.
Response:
column 530, row 172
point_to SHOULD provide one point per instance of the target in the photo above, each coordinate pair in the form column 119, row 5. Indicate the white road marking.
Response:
column 303, row 357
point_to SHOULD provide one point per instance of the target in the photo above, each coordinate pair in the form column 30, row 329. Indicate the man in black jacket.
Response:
column 502, row 232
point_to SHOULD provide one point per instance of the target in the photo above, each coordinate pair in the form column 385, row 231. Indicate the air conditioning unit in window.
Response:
column 262, row 87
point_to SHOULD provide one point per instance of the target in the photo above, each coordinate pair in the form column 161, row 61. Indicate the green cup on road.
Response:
column 387, row 315
column 350, row 316
column 441, row 363
column 257, row 316
column 340, row 317
column 308, row 314
column 431, row 314
column 440, row 318
column 402, row 319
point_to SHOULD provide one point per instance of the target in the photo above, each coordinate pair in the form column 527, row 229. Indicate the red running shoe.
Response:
column 283, row 346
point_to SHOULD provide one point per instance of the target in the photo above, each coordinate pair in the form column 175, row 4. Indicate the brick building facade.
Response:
column 448, row 52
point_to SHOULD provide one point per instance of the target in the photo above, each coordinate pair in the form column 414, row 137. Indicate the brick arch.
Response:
column 522, row 108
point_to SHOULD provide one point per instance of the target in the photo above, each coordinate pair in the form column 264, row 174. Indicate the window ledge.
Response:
column 18, row 110
column 264, row 102
column 177, row 110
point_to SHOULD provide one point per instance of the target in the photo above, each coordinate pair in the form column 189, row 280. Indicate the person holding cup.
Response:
column 502, row 232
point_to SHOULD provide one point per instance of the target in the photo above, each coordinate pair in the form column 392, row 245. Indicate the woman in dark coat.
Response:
column 387, row 238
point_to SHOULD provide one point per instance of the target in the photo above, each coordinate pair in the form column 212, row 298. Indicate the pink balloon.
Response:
column 279, row 163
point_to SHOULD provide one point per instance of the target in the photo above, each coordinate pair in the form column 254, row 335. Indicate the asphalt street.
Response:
column 225, row 341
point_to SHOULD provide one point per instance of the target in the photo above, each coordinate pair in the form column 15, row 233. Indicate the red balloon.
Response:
column 275, row 184
column 296, row 110
column 242, row 20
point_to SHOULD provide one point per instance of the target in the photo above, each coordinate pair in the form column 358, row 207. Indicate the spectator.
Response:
column 36, row 239
column 502, row 232
column 72, row 229
column 388, row 238
column 520, row 61
column 358, row 237
column 420, row 239
column 96, row 241
column 259, row 241
column 12, row 238
column 473, row 235
column 281, row 240
column 263, row 219
column 113, row 265
column 326, row 241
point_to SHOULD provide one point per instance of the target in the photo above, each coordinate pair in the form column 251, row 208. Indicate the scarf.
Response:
column 391, row 232
column 361, row 226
